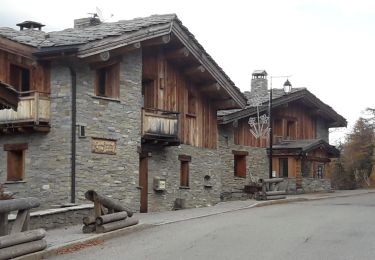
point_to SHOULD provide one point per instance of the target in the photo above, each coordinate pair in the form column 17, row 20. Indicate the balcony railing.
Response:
column 159, row 126
column 33, row 107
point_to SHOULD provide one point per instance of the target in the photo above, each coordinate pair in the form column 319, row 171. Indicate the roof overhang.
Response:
column 305, row 96
column 145, row 36
column 303, row 148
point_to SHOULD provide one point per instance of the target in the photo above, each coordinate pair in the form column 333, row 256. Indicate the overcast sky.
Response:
column 326, row 45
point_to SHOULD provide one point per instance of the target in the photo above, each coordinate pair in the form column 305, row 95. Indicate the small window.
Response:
column 108, row 81
column 15, row 161
column 184, row 170
column 240, row 163
column 320, row 171
column 19, row 78
column 192, row 103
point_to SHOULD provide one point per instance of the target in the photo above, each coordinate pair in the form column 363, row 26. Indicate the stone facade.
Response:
column 309, row 185
column 201, row 191
column 48, row 158
column 256, row 164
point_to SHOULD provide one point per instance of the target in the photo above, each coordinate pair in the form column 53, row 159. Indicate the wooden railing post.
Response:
column 36, row 100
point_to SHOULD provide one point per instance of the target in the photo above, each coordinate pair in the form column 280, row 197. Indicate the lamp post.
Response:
column 287, row 88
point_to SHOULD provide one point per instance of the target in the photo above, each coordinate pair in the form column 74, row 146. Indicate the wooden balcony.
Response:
column 160, row 127
column 33, row 114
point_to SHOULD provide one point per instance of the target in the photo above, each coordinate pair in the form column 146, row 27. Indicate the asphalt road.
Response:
column 340, row 228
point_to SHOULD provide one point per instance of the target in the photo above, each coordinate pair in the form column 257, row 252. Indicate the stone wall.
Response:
column 119, row 120
column 47, row 159
column 164, row 163
column 256, row 164
column 309, row 185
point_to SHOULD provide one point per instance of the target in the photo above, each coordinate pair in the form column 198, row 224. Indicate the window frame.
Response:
column 239, row 163
column 17, row 80
column 184, row 170
column 111, row 81
column 15, row 161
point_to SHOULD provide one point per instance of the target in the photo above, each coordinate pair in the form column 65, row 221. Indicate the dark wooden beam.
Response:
column 157, row 41
column 209, row 88
column 225, row 104
column 177, row 54
column 194, row 70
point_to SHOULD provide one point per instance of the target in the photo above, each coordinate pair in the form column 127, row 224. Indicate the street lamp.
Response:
column 287, row 89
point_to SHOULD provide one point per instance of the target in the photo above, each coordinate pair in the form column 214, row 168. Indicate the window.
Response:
column 240, row 163
column 108, row 81
column 15, row 161
column 184, row 170
column 19, row 78
column 283, row 166
column 320, row 171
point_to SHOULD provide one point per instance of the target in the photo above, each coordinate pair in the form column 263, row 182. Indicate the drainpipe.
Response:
column 73, row 76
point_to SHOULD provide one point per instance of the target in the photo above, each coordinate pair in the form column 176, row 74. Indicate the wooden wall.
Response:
column 39, row 72
column 304, row 126
column 165, row 87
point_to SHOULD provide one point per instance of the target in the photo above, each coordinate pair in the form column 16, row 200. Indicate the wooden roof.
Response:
column 93, row 40
column 303, row 147
column 280, row 98
column 8, row 97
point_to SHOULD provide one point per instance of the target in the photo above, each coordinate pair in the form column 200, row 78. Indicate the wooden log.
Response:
column 86, row 229
column 273, row 180
column 276, row 192
column 22, row 237
column 18, row 204
column 3, row 224
column 21, row 222
column 22, row 249
column 89, row 220
column 111, row 217
column 276, row 197
column 107, row 202
column 116, row 225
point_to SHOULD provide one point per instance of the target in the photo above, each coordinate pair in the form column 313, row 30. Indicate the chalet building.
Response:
column 130, row 109
column 126, row 108
column 301, row 150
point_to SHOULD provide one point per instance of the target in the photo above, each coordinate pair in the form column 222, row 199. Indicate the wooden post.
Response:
column 20, row 222
column 3, row 224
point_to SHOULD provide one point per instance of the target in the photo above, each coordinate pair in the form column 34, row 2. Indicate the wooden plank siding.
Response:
column 165, row 87
column 304, row 126
column 39, row 71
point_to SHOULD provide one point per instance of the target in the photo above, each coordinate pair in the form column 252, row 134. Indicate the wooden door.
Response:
column 143, row 182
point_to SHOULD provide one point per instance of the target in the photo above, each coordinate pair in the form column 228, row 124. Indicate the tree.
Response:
column 358, row 151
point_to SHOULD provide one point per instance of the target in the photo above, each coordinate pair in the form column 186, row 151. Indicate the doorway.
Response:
column 283, row 165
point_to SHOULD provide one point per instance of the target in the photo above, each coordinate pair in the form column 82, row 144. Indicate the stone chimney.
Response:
column 86, row 22
column 259, row 83
column 31, row 25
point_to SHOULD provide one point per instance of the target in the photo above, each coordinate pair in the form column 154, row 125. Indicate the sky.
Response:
column 327, row 46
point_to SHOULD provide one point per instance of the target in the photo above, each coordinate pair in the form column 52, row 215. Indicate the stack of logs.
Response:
column 17, row 240
column 271, row 189
column 109, row 214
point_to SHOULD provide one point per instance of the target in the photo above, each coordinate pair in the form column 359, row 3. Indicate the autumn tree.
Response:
column 358, row 150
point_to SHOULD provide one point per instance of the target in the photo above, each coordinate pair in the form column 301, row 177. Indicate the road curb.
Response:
column 84, row 242
column 100, row 238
